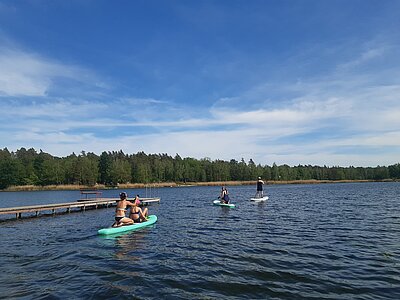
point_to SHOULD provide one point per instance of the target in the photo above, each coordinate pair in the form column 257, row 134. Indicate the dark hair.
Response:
column 123, row 195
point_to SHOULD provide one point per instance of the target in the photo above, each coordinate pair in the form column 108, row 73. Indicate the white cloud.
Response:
column 28, row 74
column 50, row 109
column 142, row 101
column 365, row 57
column 22, row 75
column 308, row 121
column 236, row 134
column 235, row 144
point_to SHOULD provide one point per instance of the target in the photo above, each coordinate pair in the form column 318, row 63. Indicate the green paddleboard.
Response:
column 111, row 230
column 218, row 203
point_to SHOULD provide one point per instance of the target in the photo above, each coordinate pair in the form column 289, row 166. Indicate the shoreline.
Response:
column 29, row 188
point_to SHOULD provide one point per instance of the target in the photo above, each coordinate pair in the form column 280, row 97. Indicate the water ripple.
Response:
column 338, row 241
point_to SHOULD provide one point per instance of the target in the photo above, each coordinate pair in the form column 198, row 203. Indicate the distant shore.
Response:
column 169, row 184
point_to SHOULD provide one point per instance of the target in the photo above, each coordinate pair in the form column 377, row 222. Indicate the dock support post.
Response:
column 54, row 211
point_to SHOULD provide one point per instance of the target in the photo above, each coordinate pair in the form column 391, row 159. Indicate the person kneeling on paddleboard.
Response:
column 120, row 218
column 224, row 196
column 137, row 214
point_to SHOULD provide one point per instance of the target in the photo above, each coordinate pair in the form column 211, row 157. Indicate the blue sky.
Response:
column 290, row 82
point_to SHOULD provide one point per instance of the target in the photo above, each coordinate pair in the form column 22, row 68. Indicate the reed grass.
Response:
column 165, row 184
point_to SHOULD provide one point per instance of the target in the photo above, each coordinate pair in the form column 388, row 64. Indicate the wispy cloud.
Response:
column 28, row 74
column 342, row 116
column 365, row 57
column 22, row 74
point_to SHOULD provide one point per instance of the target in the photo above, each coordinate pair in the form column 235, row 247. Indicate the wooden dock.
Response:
column 67, row 207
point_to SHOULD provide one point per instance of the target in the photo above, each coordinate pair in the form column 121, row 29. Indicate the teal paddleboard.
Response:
column 218, row 203
column 111, row 230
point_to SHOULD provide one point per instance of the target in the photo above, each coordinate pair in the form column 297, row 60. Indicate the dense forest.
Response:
column 29, row 167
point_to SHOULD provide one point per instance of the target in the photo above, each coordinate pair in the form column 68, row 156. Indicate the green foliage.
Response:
column 105, row 162
column 120, row 171
column 11, row 169
column 29, row 167
column 394, row 171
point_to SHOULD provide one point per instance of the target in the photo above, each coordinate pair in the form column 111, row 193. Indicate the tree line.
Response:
column 29, row 167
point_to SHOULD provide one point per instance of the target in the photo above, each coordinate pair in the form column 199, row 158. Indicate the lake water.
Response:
column 327, row 241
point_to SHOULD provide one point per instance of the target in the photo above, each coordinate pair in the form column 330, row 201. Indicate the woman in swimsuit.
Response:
column 137, row 214
column 120, row 218
column 224, row 195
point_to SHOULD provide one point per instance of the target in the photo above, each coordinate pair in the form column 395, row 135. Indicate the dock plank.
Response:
column 99, row 202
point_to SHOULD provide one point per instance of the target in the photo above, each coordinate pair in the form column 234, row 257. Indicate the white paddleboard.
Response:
column 265, row 198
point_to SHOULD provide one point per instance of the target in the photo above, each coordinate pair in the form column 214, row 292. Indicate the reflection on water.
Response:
column 127, row 243
column 337, row 241
column 225, row 211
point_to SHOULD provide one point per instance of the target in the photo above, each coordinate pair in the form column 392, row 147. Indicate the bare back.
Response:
column 121, row 207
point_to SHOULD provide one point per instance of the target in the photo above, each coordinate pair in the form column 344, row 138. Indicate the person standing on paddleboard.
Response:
column 120, row 218
column 260, row 192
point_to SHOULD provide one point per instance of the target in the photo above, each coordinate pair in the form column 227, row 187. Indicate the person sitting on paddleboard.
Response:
column 224, row 196
column 120, row 218
column 137, row 214
column 260, row 192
